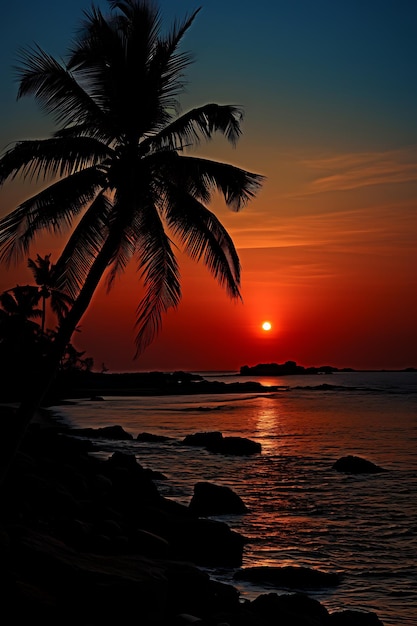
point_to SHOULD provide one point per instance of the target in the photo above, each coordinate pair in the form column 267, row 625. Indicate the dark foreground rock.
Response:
column 210, row 499
column 356, row 465
column 354, row 618
column 288, row 577
column 91, row 542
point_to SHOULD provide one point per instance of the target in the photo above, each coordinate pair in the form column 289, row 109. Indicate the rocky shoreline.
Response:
column 90, row 541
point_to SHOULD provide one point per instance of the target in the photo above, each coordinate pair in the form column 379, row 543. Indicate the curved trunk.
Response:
column 42, row 378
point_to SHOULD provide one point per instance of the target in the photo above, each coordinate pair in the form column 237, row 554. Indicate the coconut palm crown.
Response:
column 119, row 165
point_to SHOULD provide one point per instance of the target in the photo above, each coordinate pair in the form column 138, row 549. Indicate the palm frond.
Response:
column 126, row 249
column 159, row 270
column 60, row 303
column 204, row 237
column 83, row 247
column 50, row 158
column 201, row 177
column 169, row 64
column 51, row 210
column 55, row 88
column 20, row 301
column 197, row 124
column 97, row 59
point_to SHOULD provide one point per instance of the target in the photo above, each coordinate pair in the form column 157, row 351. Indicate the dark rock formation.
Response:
column 289, row 368
column 237, row 445
column 107, row 432
column 204, row 440
column 288, row 576
column 356, row 618
column 91, row 542
column 356, row 465
column 210, row 499
column 215, row 442
column 94, row 385
column 152, row 438
column 295, row 609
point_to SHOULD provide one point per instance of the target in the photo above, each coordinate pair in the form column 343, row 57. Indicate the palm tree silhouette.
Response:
column 18, row 312
column 122, row 171
column 45, row 276
column 20, row 334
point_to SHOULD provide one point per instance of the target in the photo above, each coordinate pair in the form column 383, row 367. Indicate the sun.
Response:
column 266, row 326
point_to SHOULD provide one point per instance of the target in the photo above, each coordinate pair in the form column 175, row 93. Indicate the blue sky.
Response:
column 323, row 71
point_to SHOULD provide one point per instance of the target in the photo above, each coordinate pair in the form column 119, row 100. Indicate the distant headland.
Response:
column 290, row 368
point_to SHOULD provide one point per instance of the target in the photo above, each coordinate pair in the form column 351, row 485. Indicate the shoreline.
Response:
column 92, row 541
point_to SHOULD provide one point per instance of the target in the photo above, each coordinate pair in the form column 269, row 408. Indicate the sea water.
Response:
column 301, row 511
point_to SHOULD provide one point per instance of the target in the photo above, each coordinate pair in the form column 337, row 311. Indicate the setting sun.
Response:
column 266, row 326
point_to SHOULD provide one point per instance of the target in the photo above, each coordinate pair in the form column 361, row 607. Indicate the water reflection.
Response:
column 266, row 424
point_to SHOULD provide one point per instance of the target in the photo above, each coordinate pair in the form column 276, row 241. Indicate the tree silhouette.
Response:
column 45, row 275
column 24, row 342
column 121, row 169
column 18, row 312
column 19, row 305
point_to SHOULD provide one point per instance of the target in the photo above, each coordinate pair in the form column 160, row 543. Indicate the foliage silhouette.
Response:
column 24, row 342
column 121, row 171
column 20, row 340
column 46, row 277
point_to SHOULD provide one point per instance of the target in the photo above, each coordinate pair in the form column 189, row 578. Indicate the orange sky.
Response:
column 331, row 270
column 328, row 248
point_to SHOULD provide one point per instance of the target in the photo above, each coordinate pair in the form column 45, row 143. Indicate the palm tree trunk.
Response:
column 43, row 314
column 35, row 392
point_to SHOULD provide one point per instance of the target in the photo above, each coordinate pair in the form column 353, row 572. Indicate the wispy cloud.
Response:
column 352, row 171
column 381, row 227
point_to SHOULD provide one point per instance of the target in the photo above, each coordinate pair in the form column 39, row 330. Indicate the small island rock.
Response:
column 356, row 465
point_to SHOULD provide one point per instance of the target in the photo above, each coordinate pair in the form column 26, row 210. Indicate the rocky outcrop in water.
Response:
column 289, row 368
column 210, row 499
column 115, row 432
column 215, row 442
column 352, row 464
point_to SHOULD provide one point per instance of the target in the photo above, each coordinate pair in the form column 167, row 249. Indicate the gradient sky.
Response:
column 328, row 247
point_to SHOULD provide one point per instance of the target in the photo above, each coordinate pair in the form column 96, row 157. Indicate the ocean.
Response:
column 301, row 511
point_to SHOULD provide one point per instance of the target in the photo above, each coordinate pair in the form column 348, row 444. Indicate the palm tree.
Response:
column 45, row 277
column 122, row 171
column 18, row 312
column 19, row 304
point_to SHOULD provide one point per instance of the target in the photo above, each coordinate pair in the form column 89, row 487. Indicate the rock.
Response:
column 290, row 609
column 148, row 544
column 356, row 465
column 210, row 499
column 150, row 437
column 358, row 618
column 184, row 619
column 288, row 576
column 70, row 587
column 203, row 440
column 205, row 542
column 90, row 541
column 237, row 445
column 115, row 432
column 215, row 442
